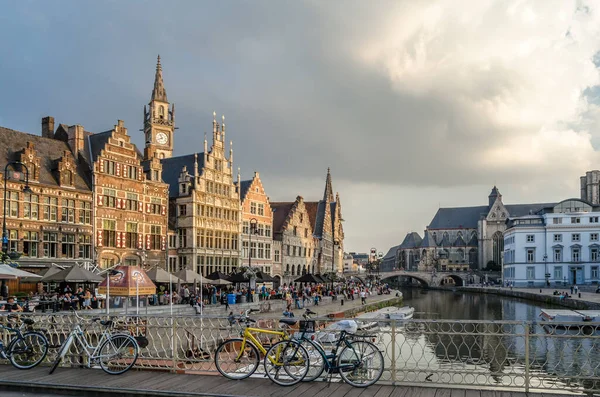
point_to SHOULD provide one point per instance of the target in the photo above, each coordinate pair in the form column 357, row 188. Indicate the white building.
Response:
column 557, row 246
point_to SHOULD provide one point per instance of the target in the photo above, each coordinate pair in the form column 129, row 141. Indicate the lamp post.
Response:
column 546, row 274
column 26, row 189
column 251, row 231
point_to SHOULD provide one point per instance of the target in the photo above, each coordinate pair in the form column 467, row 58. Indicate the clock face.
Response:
column 162, row 138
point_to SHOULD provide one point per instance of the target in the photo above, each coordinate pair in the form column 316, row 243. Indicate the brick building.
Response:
column 53, row 224
column 257, row 225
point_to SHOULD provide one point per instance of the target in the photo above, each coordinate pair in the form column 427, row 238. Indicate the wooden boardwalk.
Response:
column 92, row 382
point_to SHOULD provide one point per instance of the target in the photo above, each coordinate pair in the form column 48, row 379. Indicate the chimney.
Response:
column 76, row 138
column 48, row 127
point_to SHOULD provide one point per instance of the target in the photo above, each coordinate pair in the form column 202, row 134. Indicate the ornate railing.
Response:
column 445, row 353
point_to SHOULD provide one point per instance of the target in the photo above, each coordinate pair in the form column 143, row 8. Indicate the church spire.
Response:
column 159, row 93
column 328, row 195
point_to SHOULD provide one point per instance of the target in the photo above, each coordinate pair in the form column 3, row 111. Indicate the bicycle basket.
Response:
column 307, row 325
column 142, row 341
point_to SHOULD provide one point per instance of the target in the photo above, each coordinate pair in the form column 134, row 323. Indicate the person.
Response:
column 363, row 297
column 87, row 300
column 186, row 295
column 12, row 306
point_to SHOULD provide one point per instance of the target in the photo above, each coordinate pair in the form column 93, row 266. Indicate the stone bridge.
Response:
column 426, row 279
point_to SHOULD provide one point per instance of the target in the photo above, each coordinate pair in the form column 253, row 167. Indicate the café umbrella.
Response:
column 11, row 273
column 159, row 275
column 43, row 273
column 73, row 274
column 127, row 281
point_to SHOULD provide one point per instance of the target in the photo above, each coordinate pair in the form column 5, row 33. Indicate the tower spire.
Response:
column 328, row 195
column 159, row 93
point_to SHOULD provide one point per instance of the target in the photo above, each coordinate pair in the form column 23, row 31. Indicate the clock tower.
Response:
column 159, row 121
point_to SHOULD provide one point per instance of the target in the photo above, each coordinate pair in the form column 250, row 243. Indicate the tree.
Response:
column 493, row 267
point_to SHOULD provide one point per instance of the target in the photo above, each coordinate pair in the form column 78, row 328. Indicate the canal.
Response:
column 487, row 340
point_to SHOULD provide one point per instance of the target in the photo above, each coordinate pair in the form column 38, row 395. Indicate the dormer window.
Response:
column 183, row 188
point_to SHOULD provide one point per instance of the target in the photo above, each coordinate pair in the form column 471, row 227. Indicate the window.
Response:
column 253, row 208
column 132, row 172
column 530, row 255
column 155, row 206
column 267, row 251
column 253, row 250
column 575, row 237
column 530, row 238
column 244, row 249
column 173, row 240
column 13, row 240
column 557, row 221
column 575, row 219
column 277, row 255
column 109, row 234
column 530, row 272
column 267, row 230
column 261, row 209
column 155, row 237
column 85, row 246
column 557, row 255
column 261, row 250
column 576, row 254
column 295, row 231
column 131, row 235
column 85, row 213
column 107, row 262
column 305, row 233
column 68, row 211
column 593, row 236
column 288, row 250
column 594, row 257
column 594, row 272
column 182, row 262
column 12, row 204
column 246, row 228
column 131, row 204
column 558, row 273
column 30, row 244
column 109, row 167
column 68, row 246
column 172, row 264
column 593, row 219
column 182, row 237
column 260, row 229
column 110, row 198
column 557, row 238
column 182, row 210
column 50, row 242
column 31, row 206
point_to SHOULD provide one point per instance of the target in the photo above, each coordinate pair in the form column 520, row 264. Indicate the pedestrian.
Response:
column 363, row 297
column 87, row 300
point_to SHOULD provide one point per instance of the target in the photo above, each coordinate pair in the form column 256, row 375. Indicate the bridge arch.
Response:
column 458, row 280
column 420, row 279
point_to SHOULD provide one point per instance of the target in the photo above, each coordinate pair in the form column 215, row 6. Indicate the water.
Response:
column 486, row 354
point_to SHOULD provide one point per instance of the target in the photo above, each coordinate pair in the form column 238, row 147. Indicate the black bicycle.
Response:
column 27, row 348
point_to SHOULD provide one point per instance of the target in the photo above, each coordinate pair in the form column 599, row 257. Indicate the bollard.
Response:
column 580, row 294
column 540, row 290
column 342, row 301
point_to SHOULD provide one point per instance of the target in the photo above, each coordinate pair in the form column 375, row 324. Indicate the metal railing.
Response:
column 513, row 355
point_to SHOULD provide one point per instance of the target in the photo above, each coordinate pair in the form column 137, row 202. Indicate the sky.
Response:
column 414, row 105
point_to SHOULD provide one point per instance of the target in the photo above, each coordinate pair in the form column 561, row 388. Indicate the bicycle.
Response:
column 115, row 352
column 26, row 349
column 360, row 362
column 239, row 358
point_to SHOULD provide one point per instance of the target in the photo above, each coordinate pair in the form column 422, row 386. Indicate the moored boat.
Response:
column 570, row 319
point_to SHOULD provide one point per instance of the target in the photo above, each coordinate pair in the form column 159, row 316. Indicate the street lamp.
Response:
column 251, row 230
column 26, row 189
column 546, row 274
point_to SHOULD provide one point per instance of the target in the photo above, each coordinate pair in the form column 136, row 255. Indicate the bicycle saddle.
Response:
column 28, row 321
column 288, row 321
column 106, row 323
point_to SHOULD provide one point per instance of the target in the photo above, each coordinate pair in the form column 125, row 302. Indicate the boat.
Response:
column 367, row 321
column 397, row 313
column 570, row 319
column 331, row 333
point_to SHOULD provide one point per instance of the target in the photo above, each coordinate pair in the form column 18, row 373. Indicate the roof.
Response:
column 280, row 214
column 412, row 240
column 428, row 241
column 320, row 221
column 243, row 188
column 97, row 142
column 48, row 150
column 391, row 254
column 172, row 168
column 312, row 208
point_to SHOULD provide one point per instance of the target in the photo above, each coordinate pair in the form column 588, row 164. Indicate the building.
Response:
column 131, row 201
column 349, row 264
column 556, row 246
column 590, row 187
column 53, row 223
column 472, row 235
column 204, row 207
column 257, row 225
column 326, row 222
column 299, row 249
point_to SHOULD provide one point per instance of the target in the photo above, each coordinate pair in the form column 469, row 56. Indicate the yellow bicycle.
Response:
column 238, row 358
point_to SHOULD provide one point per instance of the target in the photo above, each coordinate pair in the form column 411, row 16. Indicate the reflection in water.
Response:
column 466, row 351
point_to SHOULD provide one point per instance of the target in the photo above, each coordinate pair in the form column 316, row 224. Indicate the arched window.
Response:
column 161, row 156
column 293, row 270
column 287, row 268
column 461, row 253
column 498, row 247
column 434, row 235
column 161, row 112
column 473, row 258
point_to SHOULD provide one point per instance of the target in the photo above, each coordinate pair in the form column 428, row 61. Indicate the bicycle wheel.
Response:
column 117, row 354
column 287, row 363
column 28, row 350
column 64, row 349
column 361, row 364
column 236, row 359
column 317, row 362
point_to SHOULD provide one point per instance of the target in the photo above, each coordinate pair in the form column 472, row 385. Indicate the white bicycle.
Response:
column 115, row 352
